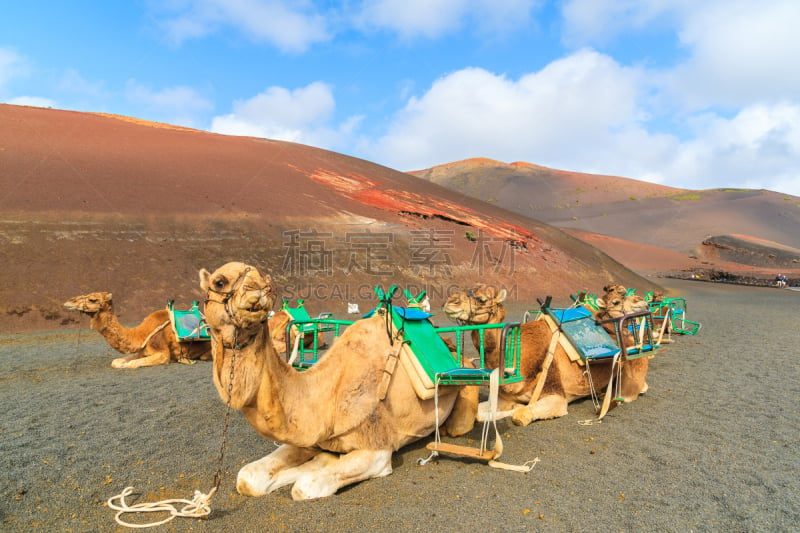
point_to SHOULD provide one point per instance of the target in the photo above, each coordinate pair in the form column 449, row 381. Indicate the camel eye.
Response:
column 219, row 284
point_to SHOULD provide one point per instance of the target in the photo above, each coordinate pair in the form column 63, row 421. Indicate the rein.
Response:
column 197, row 507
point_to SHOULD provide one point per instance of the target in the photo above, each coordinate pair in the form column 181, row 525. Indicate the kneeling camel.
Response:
column 340, row 421
column 565, row 380
column 150, row 343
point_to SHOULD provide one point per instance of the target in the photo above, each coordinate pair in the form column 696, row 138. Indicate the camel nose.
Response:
column 252, row 300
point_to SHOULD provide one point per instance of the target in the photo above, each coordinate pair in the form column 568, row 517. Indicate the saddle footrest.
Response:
column 474, row 376
column 464, row 451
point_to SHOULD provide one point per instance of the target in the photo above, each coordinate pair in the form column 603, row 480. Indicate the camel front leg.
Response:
column 278, row 469
column 551, row 406
column 634, row 375
column 138, row 360
column 326, row 473
column 465, row 409
column 122, row 362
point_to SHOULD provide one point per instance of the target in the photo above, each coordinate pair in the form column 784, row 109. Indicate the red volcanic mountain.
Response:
column 93, row 202
column 646, row 226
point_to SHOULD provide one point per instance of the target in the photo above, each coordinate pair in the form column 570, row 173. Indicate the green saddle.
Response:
column 188, row 324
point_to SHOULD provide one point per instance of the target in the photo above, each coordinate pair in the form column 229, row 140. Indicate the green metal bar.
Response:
column 328, row 324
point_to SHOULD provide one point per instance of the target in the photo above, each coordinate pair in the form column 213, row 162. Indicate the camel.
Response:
column 565, row 381
column 338, row 422
column 153, row 342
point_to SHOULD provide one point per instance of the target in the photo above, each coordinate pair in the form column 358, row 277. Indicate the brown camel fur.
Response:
column 150, row 343
column 565, row 380
column 336, row 422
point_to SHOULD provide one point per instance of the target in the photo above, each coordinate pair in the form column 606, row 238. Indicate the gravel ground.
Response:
column 711, row 447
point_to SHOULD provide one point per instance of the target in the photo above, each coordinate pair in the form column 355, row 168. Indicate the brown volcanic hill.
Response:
column 93, row 202
column 511, row 185
column 642, row 213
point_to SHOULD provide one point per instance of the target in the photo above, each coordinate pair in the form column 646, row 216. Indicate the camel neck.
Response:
column 107, row 324
column 491, row 337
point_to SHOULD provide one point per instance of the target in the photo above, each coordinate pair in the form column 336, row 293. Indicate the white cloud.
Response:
column 596, row 22
column 760, row 145
column 736, row 51
column 72, row 81
column 12, row 65
column 34, row 101
column 301, row 115
column 436, row 18
column 741, row 51
column 409, row 18
column 291, row 26
column 587, row 113
column 176, row 105
column 576, row 101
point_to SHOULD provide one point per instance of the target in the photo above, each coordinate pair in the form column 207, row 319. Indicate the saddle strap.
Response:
column 548, row 360
column 388, row 371
column 150, row 336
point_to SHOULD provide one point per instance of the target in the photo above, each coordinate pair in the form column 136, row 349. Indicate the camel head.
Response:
column 91, row 303
column 237, row 304
column 615, row 290
column 617, row 303
column 238, row 301
column 476, row 305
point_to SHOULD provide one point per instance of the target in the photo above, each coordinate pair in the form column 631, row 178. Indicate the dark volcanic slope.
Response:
column 651, row 214
column 92, row 202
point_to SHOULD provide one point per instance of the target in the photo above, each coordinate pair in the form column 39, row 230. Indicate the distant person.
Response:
column 780, row 280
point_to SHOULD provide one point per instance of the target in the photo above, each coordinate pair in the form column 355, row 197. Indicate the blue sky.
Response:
column 687, row 93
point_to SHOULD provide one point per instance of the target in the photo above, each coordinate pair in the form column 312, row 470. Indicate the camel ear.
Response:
column 600, row 303
column 204, row 275
column 501, row 296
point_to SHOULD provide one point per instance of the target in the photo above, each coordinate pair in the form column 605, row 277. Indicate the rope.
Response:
column 494, row 389
column 437, row 436
column 296, row 347
column 197, row 507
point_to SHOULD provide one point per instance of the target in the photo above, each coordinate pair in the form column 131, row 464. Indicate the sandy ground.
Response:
column 711, row 447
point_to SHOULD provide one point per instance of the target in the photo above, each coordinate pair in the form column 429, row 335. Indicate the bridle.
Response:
column 489, row 309
column 225, row 301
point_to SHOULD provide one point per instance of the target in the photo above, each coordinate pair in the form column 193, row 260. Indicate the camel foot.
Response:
column 121, row 362
column 331, row 473
column 522, row 416
column 280, row 468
